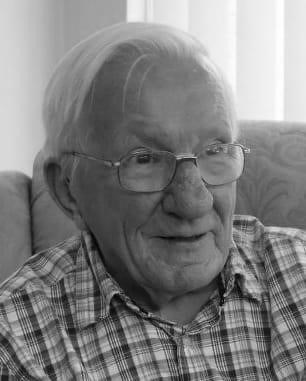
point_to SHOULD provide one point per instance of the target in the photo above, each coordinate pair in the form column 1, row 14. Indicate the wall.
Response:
column 35, row 34
column 295, row 60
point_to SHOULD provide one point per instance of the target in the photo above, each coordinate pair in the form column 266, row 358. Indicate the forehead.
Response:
column 195, row 90
column 169, row 103
column 185, row 97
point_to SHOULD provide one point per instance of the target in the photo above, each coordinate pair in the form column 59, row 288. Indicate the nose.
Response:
column 187, row 196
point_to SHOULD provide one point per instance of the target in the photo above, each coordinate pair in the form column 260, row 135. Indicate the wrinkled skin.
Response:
column 164, row 248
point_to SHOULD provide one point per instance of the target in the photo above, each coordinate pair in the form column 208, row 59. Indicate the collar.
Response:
column 242, row 269
column 95, row 288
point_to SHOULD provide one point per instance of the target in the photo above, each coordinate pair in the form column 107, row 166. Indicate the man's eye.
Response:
column 213, row 150
column 217, row 149
column 144, row 158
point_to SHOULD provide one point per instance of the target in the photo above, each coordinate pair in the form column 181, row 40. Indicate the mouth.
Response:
column 192, row 238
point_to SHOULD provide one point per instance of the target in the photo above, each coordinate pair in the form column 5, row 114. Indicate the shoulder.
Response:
column 31, row 301
column 281, row 248
column 41, row 271
column 252, row 227
column 278, row 257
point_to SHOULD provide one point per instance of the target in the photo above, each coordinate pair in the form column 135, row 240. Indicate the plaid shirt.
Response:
column 62, row 317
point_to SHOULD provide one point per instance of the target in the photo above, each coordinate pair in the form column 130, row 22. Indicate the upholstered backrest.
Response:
column 15, row 221
column 273, row 186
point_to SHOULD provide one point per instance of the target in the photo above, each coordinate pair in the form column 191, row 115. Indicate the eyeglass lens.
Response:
column 152, row 171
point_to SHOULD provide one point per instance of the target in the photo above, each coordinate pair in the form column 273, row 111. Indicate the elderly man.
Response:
column 162, row 283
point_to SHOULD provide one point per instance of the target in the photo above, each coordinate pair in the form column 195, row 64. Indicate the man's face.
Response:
column 177, row 240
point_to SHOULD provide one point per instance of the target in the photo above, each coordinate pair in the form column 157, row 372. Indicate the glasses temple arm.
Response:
column 107, row 163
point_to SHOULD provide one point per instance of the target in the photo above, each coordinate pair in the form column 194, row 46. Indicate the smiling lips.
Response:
column 181, row 238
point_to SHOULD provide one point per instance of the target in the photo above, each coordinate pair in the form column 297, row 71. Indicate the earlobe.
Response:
column 60, row 189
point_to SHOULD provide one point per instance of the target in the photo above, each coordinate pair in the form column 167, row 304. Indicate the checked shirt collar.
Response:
column 95, row 288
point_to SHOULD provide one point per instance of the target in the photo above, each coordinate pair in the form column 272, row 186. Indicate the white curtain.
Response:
column 259, row 44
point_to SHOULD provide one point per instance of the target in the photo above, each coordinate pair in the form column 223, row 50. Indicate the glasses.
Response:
column 145, row 170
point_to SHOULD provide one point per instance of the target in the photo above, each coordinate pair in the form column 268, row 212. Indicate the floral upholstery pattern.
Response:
column 273, row 185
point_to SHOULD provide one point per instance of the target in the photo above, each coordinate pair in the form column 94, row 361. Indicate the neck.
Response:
column 181, row 309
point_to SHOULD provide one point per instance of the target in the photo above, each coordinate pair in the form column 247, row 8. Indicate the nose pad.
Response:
column 187, row 196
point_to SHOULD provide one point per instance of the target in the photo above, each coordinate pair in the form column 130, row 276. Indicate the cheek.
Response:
column 137, row 212
column 111, row 212
column 224, row 201
column 224, row 205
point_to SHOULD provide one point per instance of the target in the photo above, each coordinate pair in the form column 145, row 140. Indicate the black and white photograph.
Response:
column 153, row 190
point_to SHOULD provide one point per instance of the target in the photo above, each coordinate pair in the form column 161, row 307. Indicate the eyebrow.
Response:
column 149, row 123
column 135, row 119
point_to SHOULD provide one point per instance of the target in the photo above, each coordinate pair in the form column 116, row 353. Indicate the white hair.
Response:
column 74, row 78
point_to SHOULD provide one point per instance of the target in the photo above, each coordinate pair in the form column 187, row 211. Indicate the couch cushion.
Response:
column 49, row 224
column 15, row 232
column 273, row 186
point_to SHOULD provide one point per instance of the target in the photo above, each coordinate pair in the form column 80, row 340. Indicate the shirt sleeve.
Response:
column 6, row 374
column 15, row 361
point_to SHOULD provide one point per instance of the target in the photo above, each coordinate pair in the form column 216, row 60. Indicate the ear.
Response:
column 60, row 190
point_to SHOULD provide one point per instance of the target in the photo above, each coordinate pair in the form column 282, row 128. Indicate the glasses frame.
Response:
column 178, row 157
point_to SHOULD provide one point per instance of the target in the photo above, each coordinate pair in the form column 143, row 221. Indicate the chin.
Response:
column 181, row 278
column 180, row 267
column 183, row 254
